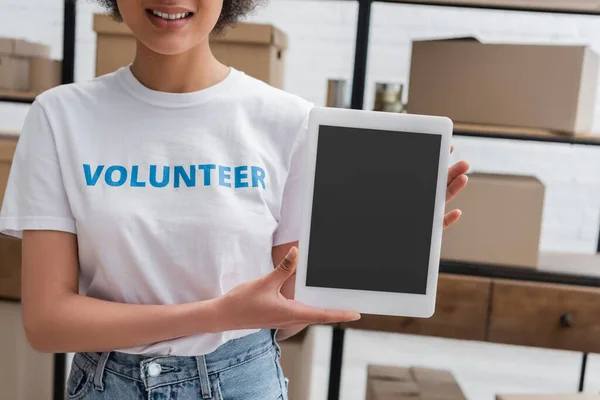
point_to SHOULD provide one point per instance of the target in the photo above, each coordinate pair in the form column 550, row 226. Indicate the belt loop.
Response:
column 203, row 376
column 99, row 373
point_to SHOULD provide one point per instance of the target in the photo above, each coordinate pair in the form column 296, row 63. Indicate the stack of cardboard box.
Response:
column 396, row 383
column 27, row 67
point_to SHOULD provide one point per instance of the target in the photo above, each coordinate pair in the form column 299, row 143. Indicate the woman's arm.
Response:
column 57, row 319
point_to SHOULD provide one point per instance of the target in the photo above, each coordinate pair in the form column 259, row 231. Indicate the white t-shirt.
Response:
column 175, row 198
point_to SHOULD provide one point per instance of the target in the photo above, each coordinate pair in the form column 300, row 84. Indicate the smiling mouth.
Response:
column 170, row 17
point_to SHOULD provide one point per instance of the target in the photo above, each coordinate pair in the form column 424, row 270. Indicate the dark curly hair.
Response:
column 232, row 12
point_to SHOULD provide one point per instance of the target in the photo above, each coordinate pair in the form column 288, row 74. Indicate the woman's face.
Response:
column 171, row 26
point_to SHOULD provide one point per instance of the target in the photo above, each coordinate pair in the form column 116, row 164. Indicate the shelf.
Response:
column 534, row 135
column 591, row 7
column 17, row 97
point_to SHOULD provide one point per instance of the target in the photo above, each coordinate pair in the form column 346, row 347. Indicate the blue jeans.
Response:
column 242, row 369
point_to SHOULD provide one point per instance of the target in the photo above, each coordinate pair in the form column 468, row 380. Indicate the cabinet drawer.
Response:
column 545, row 315
column 461, row 312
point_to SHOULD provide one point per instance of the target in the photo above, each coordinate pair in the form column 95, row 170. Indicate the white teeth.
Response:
column 170, row 16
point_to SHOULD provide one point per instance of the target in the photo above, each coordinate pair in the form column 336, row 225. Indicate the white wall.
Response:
column 321, row 47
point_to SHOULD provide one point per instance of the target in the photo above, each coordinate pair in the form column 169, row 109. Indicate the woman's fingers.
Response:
column 451, row 218
column 455, row 187
column 460, row 168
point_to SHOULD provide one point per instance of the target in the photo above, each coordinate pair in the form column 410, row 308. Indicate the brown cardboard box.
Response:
column 15, row 68
column 501, row 221
column 23, row 48
column 115, row 44
column 578, row 396
column 14, row 73
column 385, row 381
column 44, row 74
column 530, row 86
column 393, row 390
column 389, row 373
column 258, row 50
column 396, row 383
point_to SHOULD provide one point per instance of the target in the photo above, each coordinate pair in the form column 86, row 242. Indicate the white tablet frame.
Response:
column 372, row 302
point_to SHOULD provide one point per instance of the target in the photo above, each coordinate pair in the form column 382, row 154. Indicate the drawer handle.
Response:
column 566, row 320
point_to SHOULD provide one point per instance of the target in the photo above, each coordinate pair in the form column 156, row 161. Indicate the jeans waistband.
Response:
column 143, row 368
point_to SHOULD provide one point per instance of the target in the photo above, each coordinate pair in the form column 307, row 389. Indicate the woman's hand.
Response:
column 259, row 304
column 457, row 181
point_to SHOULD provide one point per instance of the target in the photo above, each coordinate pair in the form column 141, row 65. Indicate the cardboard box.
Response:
column 14, row 73
column 115, row 44
column 530, row 86
column 389, row 373
column 15, row 65
column 392, row 390
column 578, row 396
column 44, row 74
column 258, row 50
column 23, row 48
column 396, row 383
column 501, row 221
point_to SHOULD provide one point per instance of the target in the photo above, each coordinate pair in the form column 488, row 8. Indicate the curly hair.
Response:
column 232, row 12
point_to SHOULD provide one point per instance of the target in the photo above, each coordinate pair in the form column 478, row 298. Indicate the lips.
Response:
column 172, row 18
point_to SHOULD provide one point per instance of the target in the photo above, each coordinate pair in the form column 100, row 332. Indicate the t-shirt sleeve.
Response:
column 35, row 197
column 290, row 216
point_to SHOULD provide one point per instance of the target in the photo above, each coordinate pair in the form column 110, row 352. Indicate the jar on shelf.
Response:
column 388, row 97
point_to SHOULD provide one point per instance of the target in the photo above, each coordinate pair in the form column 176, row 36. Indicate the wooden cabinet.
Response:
column 545, row 315
column 461, row 312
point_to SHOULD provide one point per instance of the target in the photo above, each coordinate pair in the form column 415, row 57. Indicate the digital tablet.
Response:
column 374, row 205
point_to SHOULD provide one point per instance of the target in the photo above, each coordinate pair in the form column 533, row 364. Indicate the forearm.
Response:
column 74, row 323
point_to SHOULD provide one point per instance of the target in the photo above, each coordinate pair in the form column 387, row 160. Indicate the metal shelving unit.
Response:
column 357, row 102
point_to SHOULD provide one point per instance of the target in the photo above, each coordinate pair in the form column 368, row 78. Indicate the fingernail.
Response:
column 291, row 255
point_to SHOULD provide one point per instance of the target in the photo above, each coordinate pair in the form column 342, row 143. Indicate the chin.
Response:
column 169, row 46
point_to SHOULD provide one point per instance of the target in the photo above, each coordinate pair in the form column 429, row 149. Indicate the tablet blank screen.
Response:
column 372, row 213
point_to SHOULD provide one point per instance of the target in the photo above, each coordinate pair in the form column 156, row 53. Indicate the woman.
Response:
column 153, row 203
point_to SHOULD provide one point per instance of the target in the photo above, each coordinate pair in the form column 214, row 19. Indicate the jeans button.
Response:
column 154, row 369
